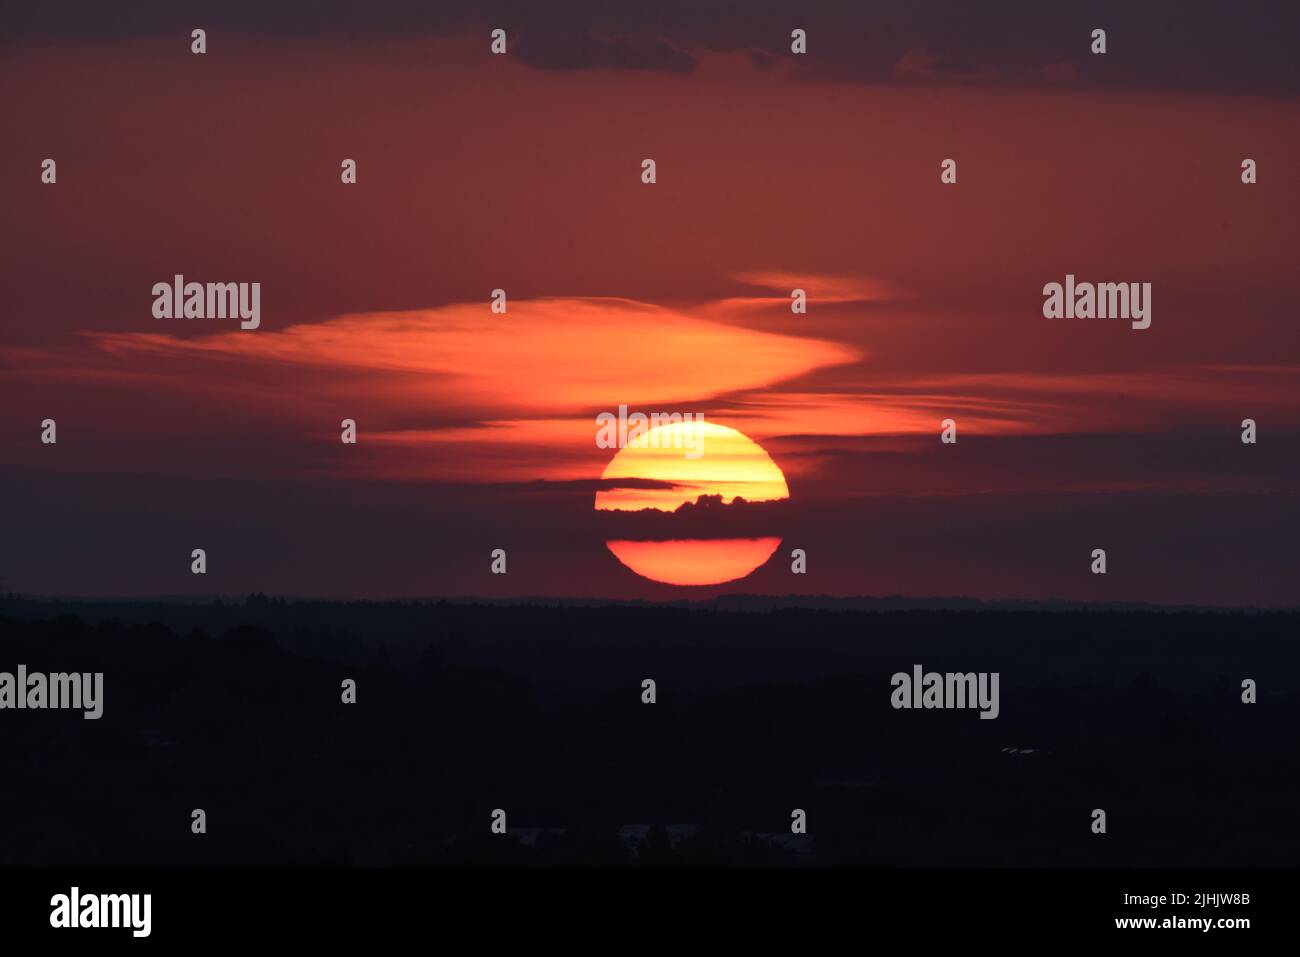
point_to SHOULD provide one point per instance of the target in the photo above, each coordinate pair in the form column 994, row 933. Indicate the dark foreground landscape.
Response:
column 235, row 707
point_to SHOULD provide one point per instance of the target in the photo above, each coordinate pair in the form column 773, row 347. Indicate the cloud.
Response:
column 543, row 356
column 1217, row 45
column 566, row 47
column 450, row 394
column 824, row 288
column 821, row 290
column 925, row 65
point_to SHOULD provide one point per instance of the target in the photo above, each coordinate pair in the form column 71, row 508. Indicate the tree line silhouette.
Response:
column 235, row 707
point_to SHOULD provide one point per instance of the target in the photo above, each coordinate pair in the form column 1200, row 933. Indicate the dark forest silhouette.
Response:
column 235, row 707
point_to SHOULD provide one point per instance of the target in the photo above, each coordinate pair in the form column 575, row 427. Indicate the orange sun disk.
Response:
column 728, row 464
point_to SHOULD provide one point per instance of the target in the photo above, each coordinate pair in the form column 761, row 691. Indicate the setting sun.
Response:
column 728, row 463
column 700, row 464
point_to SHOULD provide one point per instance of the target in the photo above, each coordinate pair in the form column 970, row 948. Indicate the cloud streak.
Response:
column 543, row 356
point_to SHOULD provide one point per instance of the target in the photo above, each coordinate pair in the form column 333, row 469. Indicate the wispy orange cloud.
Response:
column 459, row 394
column 543, row 355
column 824, row 288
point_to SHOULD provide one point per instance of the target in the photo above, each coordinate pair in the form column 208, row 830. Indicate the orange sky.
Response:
column 476, row 174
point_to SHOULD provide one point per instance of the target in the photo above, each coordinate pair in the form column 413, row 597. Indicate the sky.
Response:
column 478, row 430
